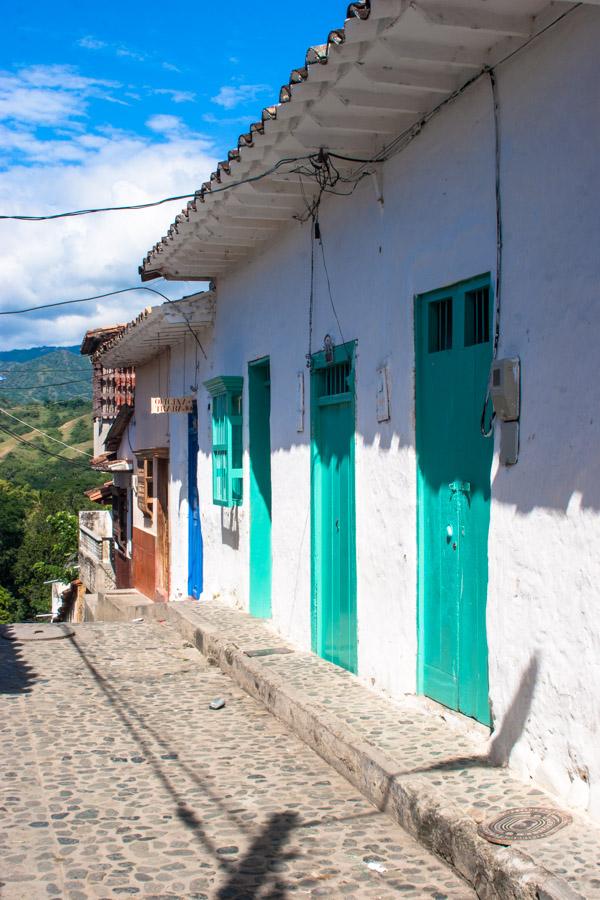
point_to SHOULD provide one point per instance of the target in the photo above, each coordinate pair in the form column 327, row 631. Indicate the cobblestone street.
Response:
column 119, row 780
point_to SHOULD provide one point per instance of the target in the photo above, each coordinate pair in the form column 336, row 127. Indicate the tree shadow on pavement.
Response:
column 261, row 861
column 16, row 675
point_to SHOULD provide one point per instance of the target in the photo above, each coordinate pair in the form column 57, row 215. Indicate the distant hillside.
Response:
column 32, row 353
column 45, row 374
column 34, row 463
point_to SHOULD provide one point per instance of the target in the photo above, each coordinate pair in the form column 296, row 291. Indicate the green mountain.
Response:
column 53, row 375
column 31, row 353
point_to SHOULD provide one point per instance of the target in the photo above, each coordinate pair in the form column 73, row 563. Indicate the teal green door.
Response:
column 453, row 356
column 333, row 534
column 259, row 402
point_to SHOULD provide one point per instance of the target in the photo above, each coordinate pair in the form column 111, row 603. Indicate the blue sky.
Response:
column 110, row 103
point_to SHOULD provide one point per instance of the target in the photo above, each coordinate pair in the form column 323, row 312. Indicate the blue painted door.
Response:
column 194, row 526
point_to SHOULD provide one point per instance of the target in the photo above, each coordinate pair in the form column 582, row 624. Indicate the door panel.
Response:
column 332, row 509
column 195, row 546
column 162, row 530
column 259, row 389
column 453, row 355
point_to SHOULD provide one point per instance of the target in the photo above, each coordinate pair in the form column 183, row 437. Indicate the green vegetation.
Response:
column 40, row 494
column 55, row 375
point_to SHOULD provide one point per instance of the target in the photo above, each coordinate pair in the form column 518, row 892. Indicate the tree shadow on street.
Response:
column 16, row 675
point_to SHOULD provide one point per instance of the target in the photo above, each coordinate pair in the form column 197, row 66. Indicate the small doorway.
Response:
column 195, row 548
column 333, row 528
column 259, row 403
column 162, row 529
column 453, row 356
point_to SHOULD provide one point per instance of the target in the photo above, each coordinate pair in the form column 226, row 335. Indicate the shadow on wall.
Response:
column 516, row 716
column 230, row 527
column 504, row 740
column 16, row 675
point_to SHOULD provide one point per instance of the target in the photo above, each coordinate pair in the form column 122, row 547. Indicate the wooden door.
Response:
column 162, row 529
column 333, row 532
column 259, row 408
column 453, row 356
column 195, row 546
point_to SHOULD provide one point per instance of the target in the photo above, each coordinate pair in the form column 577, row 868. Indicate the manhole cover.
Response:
column 33, row 632
column 527, row 824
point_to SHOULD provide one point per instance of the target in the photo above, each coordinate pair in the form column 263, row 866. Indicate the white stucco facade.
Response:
column 437, row 226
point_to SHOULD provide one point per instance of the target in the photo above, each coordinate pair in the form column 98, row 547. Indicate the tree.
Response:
column 15, row 504
column 10, row 608
column 48, row 552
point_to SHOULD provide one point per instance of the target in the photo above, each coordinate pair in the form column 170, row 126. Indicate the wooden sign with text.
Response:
column 171, row 404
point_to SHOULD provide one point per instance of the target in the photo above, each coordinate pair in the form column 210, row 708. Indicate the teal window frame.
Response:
column 226, row 393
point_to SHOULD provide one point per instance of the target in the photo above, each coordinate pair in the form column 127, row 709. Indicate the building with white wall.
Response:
column 437, row 209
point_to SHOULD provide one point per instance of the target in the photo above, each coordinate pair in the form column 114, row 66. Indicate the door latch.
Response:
column 460, row 487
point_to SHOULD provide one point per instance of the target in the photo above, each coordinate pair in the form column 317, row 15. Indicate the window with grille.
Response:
column 440, row 325
column 477, row 317
column 334, row 379
column 227, row 450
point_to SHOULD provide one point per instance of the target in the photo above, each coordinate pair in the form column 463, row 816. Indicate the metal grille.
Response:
column 440, row 325
column 335, row 379
column 477, row 317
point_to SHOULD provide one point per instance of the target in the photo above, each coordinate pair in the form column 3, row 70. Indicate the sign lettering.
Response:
column 171, row 405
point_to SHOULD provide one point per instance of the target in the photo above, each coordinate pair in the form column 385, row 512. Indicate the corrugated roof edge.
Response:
column 361, row 9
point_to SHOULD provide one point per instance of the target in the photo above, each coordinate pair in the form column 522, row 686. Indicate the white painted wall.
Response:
column 437, row 227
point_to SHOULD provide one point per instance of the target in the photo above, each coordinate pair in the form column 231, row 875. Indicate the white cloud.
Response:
column 230, row 96
column 49, row 95
column 211, row 119
column 175, row 95
column 39, row 106
column 46, row 261
column 91, row 43
column 165, row 124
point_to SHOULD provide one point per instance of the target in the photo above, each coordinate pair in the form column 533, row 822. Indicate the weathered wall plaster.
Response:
column 437, row 226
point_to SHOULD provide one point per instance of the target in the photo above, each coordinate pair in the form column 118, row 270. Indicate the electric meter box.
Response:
column 505, row 388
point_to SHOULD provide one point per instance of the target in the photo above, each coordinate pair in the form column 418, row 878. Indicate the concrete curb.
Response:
column 493, row 872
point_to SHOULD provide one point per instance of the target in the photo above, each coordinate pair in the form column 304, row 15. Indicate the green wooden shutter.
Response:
column 227, row 446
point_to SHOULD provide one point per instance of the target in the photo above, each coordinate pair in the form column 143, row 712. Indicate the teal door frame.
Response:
column 259, row 426
column 453, row 493
column 333, row 508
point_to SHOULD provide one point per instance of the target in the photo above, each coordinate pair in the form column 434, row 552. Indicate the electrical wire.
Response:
column 311, row 296
column 35, row 387
column 331, row 295
column 385, row 153
column 28, row 309
column 49, row 436
column 16, row 312
column 22, row 440
column 102, row 209
column 487, row 430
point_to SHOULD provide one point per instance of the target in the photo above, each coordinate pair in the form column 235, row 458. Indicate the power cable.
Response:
column 27, row 309
column 385, row 153
column 49, row 436
column 331, row 294
column 101, row 209
column 22, row 440
column 16, row 312
column 34, row 387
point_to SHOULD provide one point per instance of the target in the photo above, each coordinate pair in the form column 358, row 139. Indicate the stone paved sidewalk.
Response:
column 118, row 780
column 421, row 741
